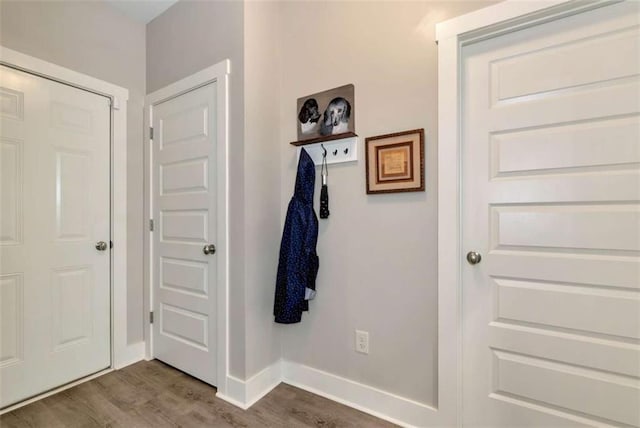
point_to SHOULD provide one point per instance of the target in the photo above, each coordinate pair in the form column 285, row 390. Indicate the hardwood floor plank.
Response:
column 220, row 416
column 13, row 421
column 100, row 401
column 151, row 394
column 34, row 415
column 69, row 412
column 155, row 416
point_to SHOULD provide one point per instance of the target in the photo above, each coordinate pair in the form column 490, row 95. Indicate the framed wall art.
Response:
column 326, row 116
column 395, row 162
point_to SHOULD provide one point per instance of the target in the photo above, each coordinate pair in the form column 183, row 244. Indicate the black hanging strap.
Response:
column 324, row 191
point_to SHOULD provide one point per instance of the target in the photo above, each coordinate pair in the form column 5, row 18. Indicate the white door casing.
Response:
column 188, row 192
column 551, row 192
column 54, row 283
column 452, row 35
column 122, row 352
column 552, row 188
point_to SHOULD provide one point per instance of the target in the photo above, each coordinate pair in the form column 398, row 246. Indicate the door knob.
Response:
column 101, row 245
column 473, row 258
column 209, row 249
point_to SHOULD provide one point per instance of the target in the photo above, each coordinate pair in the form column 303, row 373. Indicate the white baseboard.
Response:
column 236, row 392
column 384, row 405
column 245, row 394
column 129, row 355
column 263, row 382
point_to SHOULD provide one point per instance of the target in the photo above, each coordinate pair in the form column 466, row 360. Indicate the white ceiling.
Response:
column 141, row 10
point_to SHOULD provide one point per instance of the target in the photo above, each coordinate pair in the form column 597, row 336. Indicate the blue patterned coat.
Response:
column 298, row 264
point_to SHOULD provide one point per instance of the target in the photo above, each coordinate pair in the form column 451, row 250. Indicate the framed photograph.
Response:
column 395, row 162
column 327, row 115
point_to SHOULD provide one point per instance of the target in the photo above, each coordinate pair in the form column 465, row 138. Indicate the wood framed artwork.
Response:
column 395, row 162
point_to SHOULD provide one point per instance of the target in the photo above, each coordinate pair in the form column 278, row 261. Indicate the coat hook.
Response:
column 324, row 153
column 346, row 150
column 335, row 152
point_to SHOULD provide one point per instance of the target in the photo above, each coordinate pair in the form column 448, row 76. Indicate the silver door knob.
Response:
column 473, row 258
column 209, row 249
column 101, row 245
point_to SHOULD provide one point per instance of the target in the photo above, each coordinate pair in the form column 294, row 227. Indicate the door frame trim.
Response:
column 502, row 18
column 122, row 353
column 219, row 73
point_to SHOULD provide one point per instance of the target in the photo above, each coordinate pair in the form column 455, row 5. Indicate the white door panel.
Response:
column 551, row 199
column 54, row 284
column 184, row 161
column 567, row 148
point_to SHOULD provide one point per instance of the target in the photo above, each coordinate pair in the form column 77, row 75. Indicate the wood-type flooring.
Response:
column 153, row 394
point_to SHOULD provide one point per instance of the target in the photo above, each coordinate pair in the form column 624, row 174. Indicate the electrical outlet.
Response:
column 362, row 342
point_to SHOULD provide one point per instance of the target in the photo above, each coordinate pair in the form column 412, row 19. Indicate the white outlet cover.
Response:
column 362, row 342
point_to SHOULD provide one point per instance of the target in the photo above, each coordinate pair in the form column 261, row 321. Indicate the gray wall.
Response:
column 262, row 181
column 188, row 37
column 378, row 253
column 97, row 40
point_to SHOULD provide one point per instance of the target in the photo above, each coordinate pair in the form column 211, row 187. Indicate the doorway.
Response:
column 551, row 223
column 55, row 273
column 188, row 200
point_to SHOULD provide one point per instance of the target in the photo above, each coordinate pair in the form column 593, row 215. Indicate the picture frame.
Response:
column 395, row 162
column 326, row 115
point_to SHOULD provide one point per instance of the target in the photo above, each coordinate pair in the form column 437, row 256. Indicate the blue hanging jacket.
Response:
column 298, row 264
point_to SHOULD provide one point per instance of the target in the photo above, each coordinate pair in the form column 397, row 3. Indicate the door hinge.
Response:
column 151, row 132
column 110, row 244
column 151, row 225
column 151, row 317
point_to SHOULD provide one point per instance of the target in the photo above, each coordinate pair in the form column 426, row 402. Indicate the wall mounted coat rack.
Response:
column 339, row 150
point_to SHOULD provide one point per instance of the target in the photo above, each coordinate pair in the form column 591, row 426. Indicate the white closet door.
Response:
column 551, row 192
column 185, row 263
column 54, row 189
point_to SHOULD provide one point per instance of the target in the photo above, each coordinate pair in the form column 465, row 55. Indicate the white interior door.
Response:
column 54, row 189
column 551, row 192
column 184, row 206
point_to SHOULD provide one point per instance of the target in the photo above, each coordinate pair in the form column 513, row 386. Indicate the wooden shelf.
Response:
column 324, row 139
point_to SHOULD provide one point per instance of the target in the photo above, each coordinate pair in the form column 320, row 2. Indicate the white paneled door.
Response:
column 184, row 254
column 54, row 210
column 551, row 192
